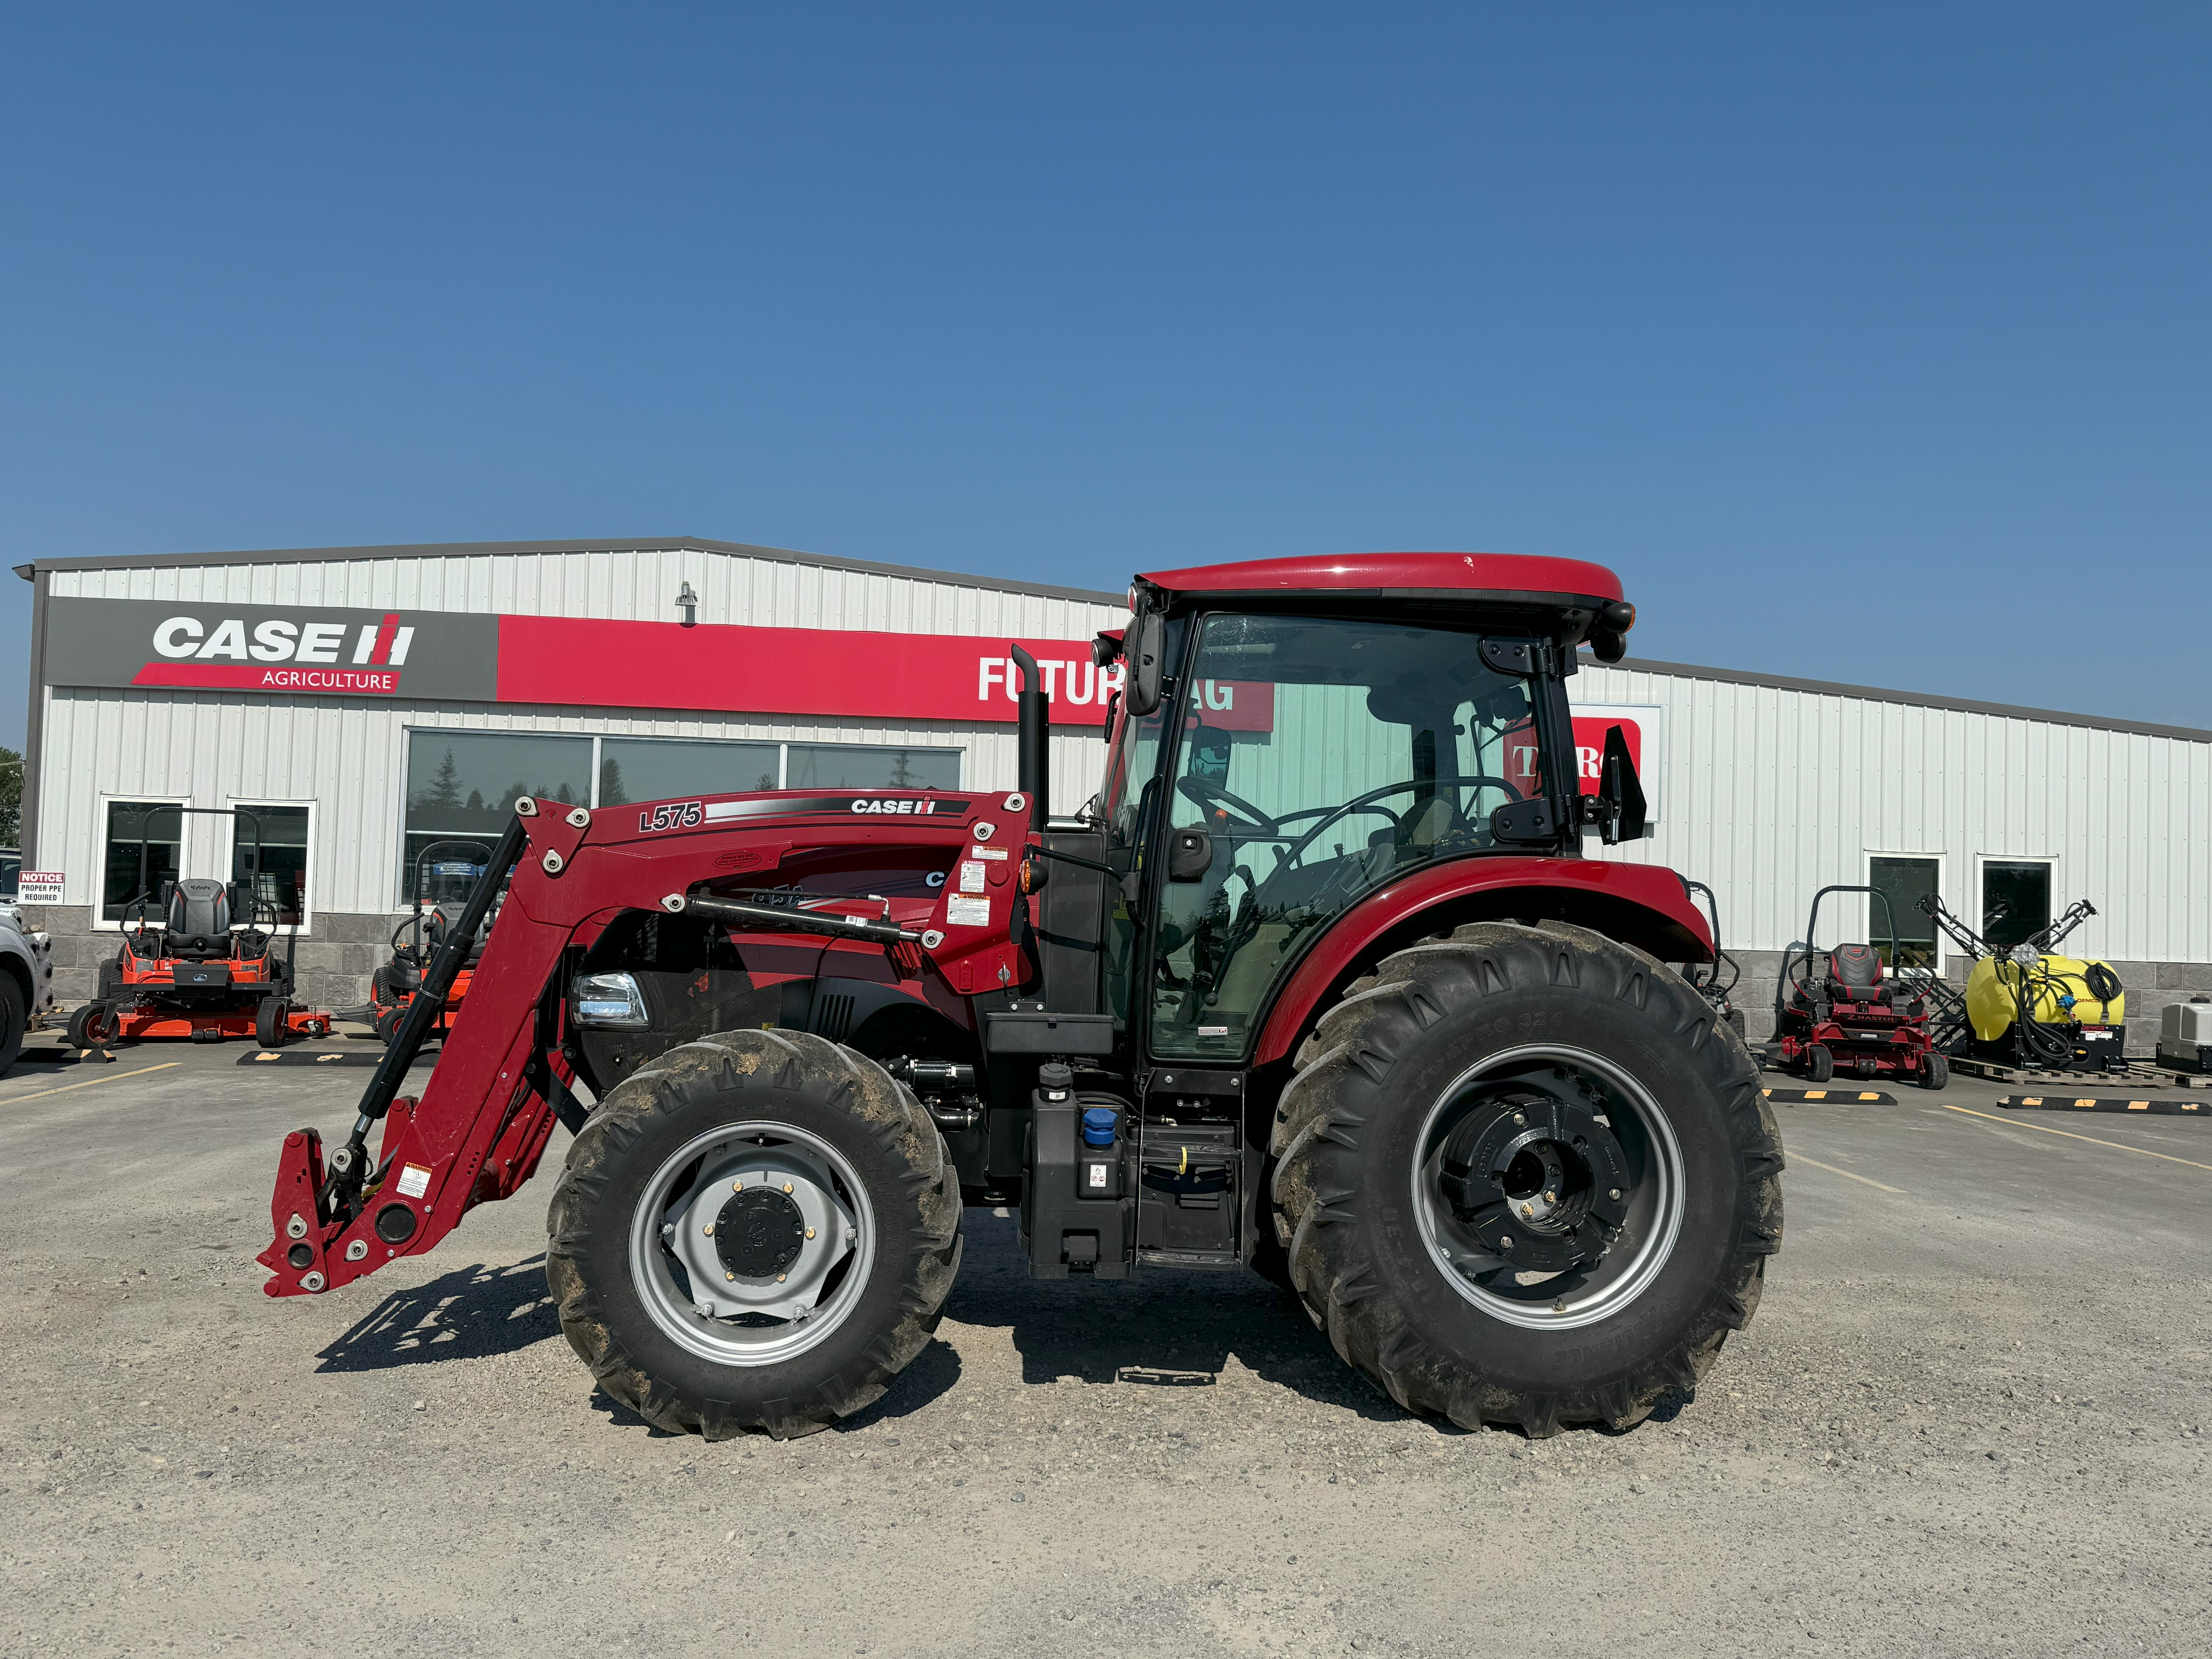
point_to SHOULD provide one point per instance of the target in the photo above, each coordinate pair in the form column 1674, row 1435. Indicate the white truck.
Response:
column 27, row 982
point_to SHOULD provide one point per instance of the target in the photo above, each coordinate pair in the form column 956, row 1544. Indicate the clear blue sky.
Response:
column 1868, row 343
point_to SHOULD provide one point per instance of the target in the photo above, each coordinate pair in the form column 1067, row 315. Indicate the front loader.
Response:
column 1319, row 984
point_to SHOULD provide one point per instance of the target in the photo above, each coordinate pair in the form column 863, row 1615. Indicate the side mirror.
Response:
column 1618, row 808
column 1144, row 648
column 1190, row 854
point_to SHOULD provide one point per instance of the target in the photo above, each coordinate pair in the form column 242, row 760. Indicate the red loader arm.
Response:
column 500, row 1080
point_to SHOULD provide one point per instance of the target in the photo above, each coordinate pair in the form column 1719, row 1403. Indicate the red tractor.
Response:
column 1317, row 984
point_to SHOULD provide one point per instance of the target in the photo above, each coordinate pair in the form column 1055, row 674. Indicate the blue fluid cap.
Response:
column 1099, row 1123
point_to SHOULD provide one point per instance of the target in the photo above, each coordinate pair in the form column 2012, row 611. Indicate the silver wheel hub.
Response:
column 751, row 1243
column 1548, row 1186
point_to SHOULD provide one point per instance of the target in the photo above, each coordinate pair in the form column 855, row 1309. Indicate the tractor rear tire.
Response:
column 868, row 1165
column 1819, row 1063
column 1580, row 1031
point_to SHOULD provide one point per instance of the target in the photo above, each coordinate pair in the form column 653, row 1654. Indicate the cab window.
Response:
column 1321, row 757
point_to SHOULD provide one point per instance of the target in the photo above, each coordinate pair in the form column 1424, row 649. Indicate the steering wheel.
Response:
column 1209, row 794
column 1255, row 907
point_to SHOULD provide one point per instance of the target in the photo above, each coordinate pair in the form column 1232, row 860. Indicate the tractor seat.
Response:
column 198, row 920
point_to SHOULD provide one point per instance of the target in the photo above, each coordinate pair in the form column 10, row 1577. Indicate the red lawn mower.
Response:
column 197, row 974
column 416, row 942
column 1843, row 1015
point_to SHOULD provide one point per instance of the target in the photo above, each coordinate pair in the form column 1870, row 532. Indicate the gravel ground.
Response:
column 1968, row 1418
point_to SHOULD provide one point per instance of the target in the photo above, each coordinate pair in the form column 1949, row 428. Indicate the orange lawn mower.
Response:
column 416, row 943
column 200, row 974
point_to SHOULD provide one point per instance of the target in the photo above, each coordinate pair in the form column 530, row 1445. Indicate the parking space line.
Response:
column 2042, row 1128
column 110, row 1076
column 1800, row 1158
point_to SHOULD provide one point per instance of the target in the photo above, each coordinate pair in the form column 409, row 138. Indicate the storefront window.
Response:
column 850, row 766
column 463, row 785
column 283, row 883
column 127, row 876
column 1905, row 882
column 663, row 768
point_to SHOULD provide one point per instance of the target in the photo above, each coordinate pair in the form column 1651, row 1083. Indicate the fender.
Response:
column 1641, row 904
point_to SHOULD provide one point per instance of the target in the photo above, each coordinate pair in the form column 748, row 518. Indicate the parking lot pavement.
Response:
column 1968, row 1418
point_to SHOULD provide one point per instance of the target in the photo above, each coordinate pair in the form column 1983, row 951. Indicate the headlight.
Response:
column 611, row 999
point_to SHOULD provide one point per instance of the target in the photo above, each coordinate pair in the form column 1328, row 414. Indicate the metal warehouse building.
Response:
column 366, row 704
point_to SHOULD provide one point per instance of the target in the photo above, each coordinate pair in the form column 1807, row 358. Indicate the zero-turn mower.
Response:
column 415, row 941
column 1319, row 984
column 208, row 971
column 1841, row 1014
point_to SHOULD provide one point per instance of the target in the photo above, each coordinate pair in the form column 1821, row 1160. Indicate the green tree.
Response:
column 11, row 797
column 612, row 793
column 445, row 791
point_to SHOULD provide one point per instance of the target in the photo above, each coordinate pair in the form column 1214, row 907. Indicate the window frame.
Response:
column 306, row 922
column 106, row 799
column 1942, row 892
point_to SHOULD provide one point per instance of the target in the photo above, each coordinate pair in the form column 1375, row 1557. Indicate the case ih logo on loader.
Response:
column 1520, row 1172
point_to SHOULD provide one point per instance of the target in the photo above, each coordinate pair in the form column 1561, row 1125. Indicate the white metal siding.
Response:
column 1771, row 793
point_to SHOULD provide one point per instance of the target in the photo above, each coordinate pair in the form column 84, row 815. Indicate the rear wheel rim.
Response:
column 797, row 1240
column 1653, row 1193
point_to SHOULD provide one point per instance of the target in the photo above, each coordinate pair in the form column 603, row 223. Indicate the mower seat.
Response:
column 1854, row 974
column 199, row 920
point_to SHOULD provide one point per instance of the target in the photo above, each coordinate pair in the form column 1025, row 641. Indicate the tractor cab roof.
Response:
column 1568, row 584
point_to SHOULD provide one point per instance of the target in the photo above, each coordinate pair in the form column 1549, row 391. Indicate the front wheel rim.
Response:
column 1632, row 1149
column 751, row 1244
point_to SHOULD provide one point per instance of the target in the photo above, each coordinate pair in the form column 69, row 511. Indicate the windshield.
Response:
column 1321, row 757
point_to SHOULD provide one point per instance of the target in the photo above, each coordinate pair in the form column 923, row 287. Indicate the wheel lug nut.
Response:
column 708, row 1230
column 729, row 1275
column 786, row 1186
column 1520, row 1120
column 1505, row 1241
column 1613, row 1192
column 809, row 1232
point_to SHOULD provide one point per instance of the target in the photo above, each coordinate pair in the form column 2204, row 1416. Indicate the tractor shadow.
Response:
column 1163, row 1327
column 470, row 1313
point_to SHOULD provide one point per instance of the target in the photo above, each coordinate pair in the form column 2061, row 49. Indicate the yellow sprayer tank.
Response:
column 1993, row 995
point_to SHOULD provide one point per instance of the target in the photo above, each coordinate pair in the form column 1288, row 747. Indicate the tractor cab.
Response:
column 1277, row 760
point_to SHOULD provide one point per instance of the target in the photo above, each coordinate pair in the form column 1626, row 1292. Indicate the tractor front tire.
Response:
column 1935, row 1072
column 1819, row 1063
column 814, row 1167
column 1437, row 1117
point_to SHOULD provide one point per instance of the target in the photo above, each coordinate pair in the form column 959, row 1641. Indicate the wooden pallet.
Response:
column 2137, row 1076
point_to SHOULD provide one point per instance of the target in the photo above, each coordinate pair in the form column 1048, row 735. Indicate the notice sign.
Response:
column 39, row 887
